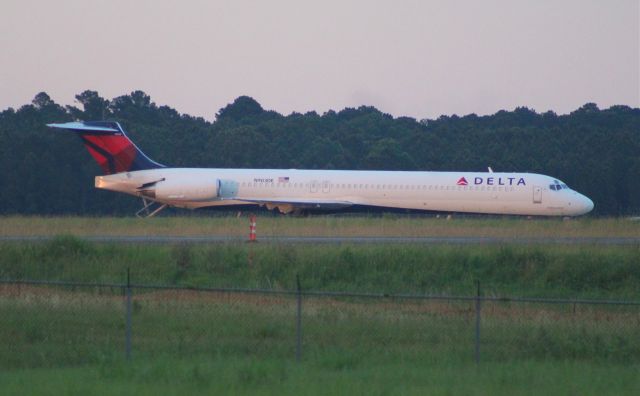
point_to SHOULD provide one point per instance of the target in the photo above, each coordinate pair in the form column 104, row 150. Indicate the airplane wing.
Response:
column 287, row 205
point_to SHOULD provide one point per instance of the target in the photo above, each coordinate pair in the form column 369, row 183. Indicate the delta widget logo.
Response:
column 462, row 182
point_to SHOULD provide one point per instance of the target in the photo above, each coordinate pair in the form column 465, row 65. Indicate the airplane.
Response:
column 128, row 170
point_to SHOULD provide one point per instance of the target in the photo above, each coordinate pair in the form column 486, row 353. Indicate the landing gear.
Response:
column 300, row 212
column 146, row 208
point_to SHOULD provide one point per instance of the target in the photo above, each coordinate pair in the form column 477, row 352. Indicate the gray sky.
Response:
column 415, row 58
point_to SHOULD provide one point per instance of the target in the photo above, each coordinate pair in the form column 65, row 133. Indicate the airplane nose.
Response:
column 585, row 205
column 588, row 204
column 580, row 205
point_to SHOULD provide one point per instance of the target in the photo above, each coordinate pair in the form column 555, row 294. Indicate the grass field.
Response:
column 611, row 272
column 386, row 225
column 57, row 340
column 71, row 340
column 247, row 376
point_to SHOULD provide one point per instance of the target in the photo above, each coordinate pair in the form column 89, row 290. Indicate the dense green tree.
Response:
column 95, row 107
column 42, row 171
column 242, row 107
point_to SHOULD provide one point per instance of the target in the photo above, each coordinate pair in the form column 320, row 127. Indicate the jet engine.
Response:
column 182, row 189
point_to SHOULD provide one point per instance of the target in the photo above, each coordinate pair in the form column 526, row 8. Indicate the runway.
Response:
column 201, row 239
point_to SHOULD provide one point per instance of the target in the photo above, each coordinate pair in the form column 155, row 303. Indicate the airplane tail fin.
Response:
column 109, row 146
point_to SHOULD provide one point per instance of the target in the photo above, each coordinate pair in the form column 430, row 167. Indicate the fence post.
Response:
column 298, row 321
column 477, row 349
column 127, row 346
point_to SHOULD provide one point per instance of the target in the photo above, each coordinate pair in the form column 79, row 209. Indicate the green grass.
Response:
column 242, row 376
column 520, row 270
column 57, row 340
column 50, row 327
column 269, row 225
column 71, row 340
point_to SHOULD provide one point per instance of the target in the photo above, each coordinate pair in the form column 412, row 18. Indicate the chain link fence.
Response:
column 47, row 324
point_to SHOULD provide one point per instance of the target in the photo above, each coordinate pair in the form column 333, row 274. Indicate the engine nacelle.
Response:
column 184, row 189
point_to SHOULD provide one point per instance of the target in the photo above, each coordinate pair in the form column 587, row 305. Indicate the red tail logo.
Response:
column 114, row 153
column 109, row 145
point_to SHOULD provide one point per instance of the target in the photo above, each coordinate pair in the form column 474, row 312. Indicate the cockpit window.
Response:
column 557, row 186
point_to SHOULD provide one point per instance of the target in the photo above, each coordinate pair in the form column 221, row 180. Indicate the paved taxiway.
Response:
column 160, row 239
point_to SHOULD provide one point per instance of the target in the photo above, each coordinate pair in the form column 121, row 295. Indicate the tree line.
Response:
column 45, row 171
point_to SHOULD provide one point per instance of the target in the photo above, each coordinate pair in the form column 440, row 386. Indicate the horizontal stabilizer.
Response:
column 108, row 127
column 109, row 146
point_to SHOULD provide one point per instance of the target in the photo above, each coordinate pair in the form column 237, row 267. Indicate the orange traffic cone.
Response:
column 252, row 228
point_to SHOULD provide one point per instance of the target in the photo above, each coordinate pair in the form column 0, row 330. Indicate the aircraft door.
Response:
column 537, row 194
column 326, row 186
column 227, row 188
column 313, row 186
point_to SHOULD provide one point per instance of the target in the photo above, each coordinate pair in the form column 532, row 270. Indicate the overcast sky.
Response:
column 416, row 58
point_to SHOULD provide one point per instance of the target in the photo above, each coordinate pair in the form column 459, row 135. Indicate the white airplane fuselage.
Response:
column 292, row 189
